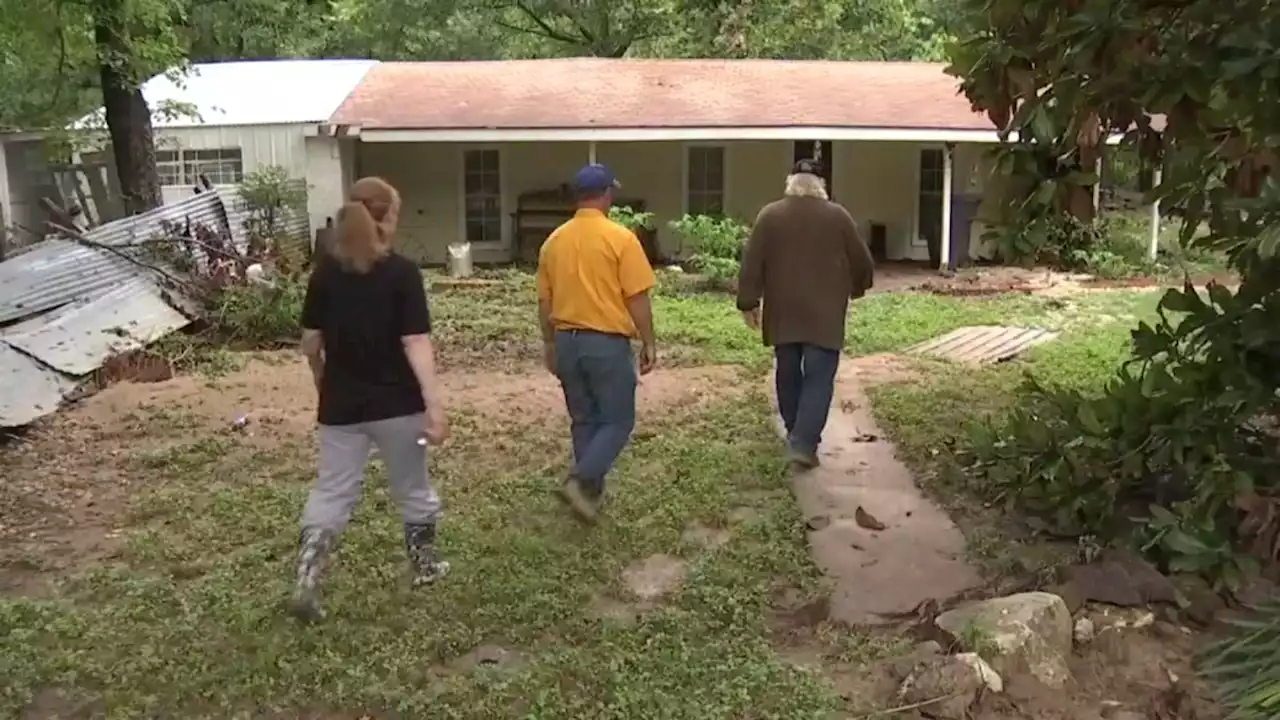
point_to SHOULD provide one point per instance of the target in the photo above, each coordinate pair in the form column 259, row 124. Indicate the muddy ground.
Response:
column 67, row 477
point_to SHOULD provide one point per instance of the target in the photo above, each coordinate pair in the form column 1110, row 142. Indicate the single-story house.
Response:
column 482, row 151
column 479, row 149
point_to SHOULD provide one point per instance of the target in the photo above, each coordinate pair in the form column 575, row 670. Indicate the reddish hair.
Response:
column 366, row 223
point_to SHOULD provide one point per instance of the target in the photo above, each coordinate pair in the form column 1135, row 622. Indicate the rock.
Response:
column 1070, row 595
column 1169, row 631
column 1124, row 715
column 1122, row 579
column 1083, row 632
column 1028, row 633
column 1197, row 599
column 991, row 680
column 900, row 668
column 960, row 678
column 1118, row 617
column 1111, row 643
column 1257, row 591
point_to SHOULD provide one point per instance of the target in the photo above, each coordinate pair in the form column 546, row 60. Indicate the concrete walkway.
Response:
column 919, row 554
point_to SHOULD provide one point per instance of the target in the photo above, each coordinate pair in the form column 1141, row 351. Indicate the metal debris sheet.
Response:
column 983, row 344
column 66, row 308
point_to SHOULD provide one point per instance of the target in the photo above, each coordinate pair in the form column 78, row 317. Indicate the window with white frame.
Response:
column 482, row 189
column 223, row 166
column 929, row 202
column 169, row 168
column 704, row 194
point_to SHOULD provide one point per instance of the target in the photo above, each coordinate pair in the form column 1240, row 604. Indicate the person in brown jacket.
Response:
column 805, row 258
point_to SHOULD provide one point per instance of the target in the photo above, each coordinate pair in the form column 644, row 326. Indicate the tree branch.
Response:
column 545, row 29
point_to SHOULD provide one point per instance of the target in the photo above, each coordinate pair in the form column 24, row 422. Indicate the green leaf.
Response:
column 1184, row 544
column 1089, row 419
column 1269, row 242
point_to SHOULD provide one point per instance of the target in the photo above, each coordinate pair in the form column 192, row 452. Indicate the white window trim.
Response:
column 180, row 155
column 916, row 240
column 684, row 173
column 504, row 230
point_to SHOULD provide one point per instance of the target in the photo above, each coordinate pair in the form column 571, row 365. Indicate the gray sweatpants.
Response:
column 344, row 452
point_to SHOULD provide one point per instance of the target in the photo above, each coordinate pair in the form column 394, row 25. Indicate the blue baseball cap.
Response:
column 595, row 178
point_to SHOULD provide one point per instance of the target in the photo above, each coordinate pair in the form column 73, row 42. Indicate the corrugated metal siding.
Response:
column 260, row 146
column 102, row 304
column 28, row 390
column 78, row 338
column 983, row 344
column 55, row 272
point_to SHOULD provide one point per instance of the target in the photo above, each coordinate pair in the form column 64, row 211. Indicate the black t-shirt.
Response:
column 362, row 318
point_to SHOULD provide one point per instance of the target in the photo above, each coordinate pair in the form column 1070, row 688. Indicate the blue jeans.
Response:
column 598, row 374
column 805, row 380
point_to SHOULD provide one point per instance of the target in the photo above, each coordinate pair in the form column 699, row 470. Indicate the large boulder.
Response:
column 947, row 686
column 1026, row 634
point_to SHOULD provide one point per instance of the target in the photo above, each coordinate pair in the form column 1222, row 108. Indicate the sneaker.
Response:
column 419, row 543
column 585, row 506
column 313, row 552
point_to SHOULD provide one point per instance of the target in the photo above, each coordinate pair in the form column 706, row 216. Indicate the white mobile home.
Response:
column 219, row 120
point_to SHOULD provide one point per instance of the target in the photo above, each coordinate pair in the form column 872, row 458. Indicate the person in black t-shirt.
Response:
column 367, row 337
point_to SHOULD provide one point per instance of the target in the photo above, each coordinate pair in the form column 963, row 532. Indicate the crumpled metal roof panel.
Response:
column 79, row 337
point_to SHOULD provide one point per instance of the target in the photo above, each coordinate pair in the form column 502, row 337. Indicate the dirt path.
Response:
column 919, row 553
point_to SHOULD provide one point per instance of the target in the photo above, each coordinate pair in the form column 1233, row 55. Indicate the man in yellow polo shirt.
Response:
column 593, row 300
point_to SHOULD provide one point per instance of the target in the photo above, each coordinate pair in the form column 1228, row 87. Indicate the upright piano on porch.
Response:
column 540, row 212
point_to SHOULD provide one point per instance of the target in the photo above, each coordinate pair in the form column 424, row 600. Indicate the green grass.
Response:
column 188, row 621
column 499, row 324
column 894, row 321
column 930, row 416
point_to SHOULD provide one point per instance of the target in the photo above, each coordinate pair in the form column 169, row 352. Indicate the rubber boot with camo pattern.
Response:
column 313, row 552
column 419, row 544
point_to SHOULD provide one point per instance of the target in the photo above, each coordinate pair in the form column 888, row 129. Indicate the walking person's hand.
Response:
column 549, row 356
column 648, row 358
column 752, row 318
column 436, row 428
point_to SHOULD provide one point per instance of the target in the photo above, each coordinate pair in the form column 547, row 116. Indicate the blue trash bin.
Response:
column 964, row 209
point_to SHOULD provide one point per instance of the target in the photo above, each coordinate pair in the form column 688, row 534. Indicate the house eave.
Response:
column 682, row 134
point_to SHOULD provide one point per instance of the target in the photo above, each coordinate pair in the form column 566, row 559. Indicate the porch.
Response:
column 505, row 197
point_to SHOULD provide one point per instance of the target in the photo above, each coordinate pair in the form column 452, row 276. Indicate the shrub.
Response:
column 1176, row 454
column 1244, row 668
column 630, row 219
column 275, row 217
column 259, row 315
column 1115, row 245
column 714, row 244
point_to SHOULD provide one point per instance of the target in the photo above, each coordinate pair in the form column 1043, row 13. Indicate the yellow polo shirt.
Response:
column 587, row 269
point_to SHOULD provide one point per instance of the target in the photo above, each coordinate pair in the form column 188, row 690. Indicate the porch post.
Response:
column 945, row 245
column 1155, row 216
column 1097, row 186
column 591, row 152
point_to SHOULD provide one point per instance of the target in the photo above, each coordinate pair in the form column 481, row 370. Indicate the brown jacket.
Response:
column 805, row 258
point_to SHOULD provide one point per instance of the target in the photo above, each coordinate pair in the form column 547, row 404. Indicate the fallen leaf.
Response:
column 866, row 520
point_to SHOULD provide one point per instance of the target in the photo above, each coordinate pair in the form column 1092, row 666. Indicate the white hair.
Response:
column 806, row 185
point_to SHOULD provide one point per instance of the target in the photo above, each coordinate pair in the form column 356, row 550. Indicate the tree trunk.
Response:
column 128, row 117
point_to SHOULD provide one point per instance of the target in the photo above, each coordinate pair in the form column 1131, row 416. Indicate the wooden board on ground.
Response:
column 983, row 344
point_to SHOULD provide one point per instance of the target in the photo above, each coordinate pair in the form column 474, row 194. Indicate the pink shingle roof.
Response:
column 579, row 93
